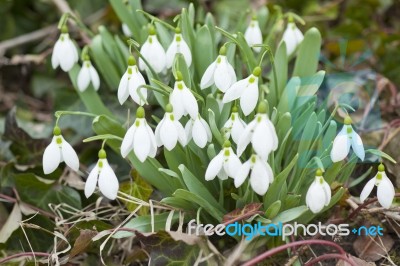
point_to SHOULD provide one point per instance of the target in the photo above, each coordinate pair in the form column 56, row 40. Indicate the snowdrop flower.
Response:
column 253, row 34
column 86, row 75
column 178, row 45
column 169, row 131
column 234, row 126
column 385, row 191
column 108, row 181
column 139, row 138
column 183, row 100
column 59, row 150
column 292, row 37
column 245, row 89
column 261, row 133
column 347, row 138
column 199, row 130
column 125, row 29
column 318, row 194
column 153, row 52
column 64, row 54
column 261, row 174
column 130, row 83
column 219, row 72
column 225, row 164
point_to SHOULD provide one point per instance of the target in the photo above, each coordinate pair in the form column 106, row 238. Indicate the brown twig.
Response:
column 356, row 211
column 276, row 250
column 25, row 254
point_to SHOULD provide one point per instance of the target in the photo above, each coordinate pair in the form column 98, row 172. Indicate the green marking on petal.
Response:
column 100, row 164
column 58, row 141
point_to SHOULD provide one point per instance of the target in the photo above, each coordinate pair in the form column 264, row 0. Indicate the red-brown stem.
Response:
column 362, row 206
column 25, row 254
column 328, row 257
column 276, row 250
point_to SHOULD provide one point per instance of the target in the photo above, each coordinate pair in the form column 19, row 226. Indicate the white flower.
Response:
column 86, row 75
column 169, row 131
column 199, row 130
column 347, row 138
column 139, row 138
column 261, row 174
column 234, row 126
column 318, row 194
column 153, row 52
column 108, row 181
column 385, row 191
column 219, row 72
column 125, row 29
column 183, row 100
column 261, row 133
column 59, row 150
column 64, row 54
column 253, row 34
column 130, row 83
column 178, row 45
column 245, row 89
column 292, row 37
column 225, row 164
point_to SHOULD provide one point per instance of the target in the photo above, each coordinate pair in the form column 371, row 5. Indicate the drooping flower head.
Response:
column 125, row 29
column 64, row 54
column 247, row 90
column 178, row 45
column 253, row 34
column 199, row 130
column 261, row 174
column 104, row 174
column 234, row 126
column 139, row 138
column 261, row 133
column 292, row 37
column 224, row 165
column 130, row 83
column 87, row 75
column 169, row 131
column 153, row 52
column 59, row 150
column 183, row 100
column 219, row 72
column 347, row 138
column 385, row 190
column 318, row 194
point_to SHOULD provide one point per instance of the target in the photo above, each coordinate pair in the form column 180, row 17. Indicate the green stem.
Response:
column 58, row 114
column 103, row 137
column 153, row 18
column 63, row 20
column 149, row 87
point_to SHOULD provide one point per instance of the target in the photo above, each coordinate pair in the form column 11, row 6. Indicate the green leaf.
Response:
column 381, row 154
column 288, row 97
column 281, row 67
column 214, row 129
column 306, row 140
column 125, row 15
column 273, row 209
column 203, row 51
column 308, row 54
column 309, row 86
column 180, row 65
column 290, row 215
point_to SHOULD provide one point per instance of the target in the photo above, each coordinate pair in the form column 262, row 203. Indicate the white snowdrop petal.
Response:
column 66, row 56
column 190, row 103
column 144, row 51
column 199, row 134
column 156, row 56
column 261, row 140
column 55, row 57
column 176, row 100
column 235, row 91
column 94, row 76
column 83, row 78
column 125, row 29
column 268, row 170
column 242, row 173
column 367, row 189
column 51, row 157
column 171, row 52
column 108, row 181
column 237, row 129
column 208, row 77
column 127, row 142
column 357, row 145
column 185, row 50
column 181, row 133
column 153, row 144
column 246, row 137
column 141, row 142
column 123, row 92
column 328, row 193
column 233, row 164
column 222, row 77
column 214, row 167
column 91, row 181
column 188, row 130
column 340, row 147
column 206, row 128
column 273, row 135
column 69, row 155
column 169, row 134
column 222, row 175
column 385, row 192
column 259, row 179
column 158, row 131
column 315, row 198
column 249, row 98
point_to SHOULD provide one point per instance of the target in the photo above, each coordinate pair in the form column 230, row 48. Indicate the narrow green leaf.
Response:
column 290, row 215
column 308, row 54
column 273, row 209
